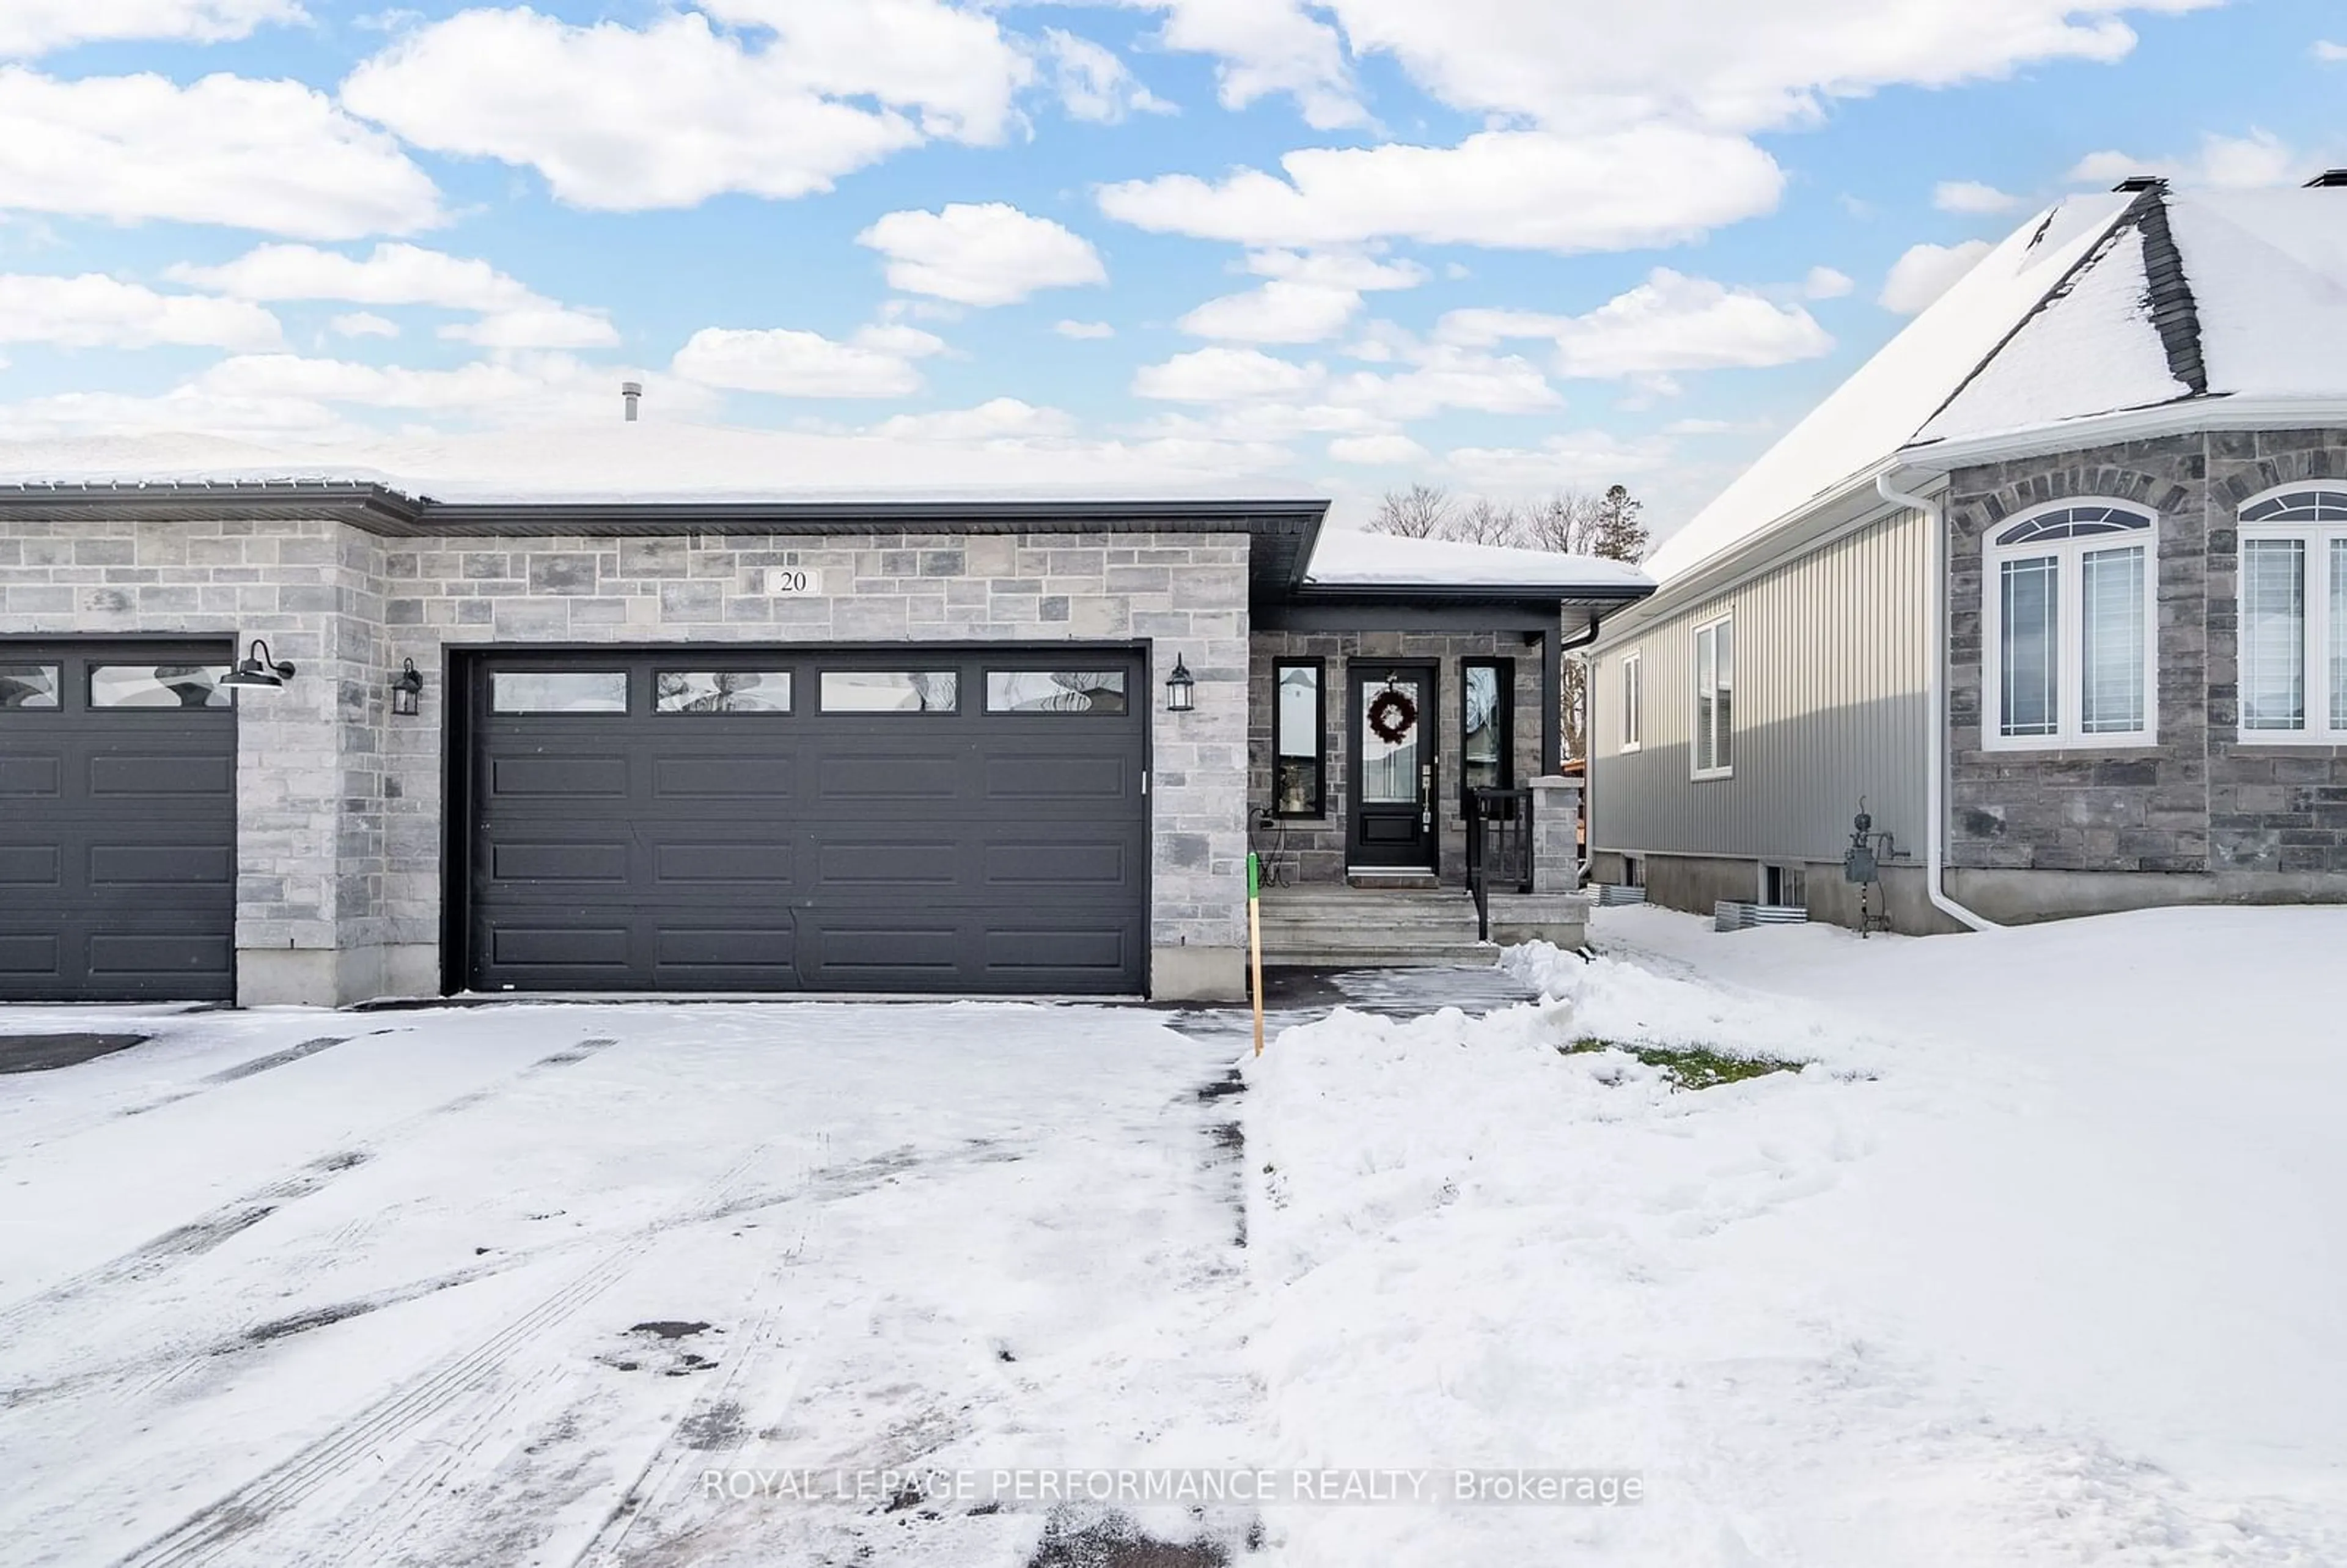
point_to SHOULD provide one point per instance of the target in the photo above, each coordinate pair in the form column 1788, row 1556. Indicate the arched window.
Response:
column 2068, row 627
column 2293, row 615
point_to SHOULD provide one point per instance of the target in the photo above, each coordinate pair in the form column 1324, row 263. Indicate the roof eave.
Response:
column 2218, row 411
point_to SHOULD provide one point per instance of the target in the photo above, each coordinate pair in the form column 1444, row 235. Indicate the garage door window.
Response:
column 1055, row 692
column 28, row 685
column 558, row 692
column 721, row 691
column 891, row 692
column 158, row 686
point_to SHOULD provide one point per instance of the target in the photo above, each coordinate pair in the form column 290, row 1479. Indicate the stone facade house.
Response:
column 567, row 723
column 2054, row 589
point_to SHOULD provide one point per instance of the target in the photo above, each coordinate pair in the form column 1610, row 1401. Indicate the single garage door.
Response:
column 915, row 820
column 118, row 823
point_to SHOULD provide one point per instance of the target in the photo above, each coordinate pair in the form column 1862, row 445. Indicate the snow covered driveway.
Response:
column 446, row 1287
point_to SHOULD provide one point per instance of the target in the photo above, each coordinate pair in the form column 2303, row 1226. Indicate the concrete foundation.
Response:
column 1559, row 918
column 2023, row 897
column 1197, row 974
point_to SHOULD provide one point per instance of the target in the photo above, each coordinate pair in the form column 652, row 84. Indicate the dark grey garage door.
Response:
column 913, row 820
column 118, row 823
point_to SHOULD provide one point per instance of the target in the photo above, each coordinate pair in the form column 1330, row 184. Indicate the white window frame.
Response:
column 1723, row 737
column 1633, row 682
column 2069, row 629
column 2317, row 533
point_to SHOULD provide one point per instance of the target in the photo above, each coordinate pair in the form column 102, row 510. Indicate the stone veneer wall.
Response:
column 339, row 824
column 1318, row 844
column 2200, row 815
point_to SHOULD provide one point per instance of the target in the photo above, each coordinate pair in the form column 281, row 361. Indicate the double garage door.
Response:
column 117, row 822
column 950, row 820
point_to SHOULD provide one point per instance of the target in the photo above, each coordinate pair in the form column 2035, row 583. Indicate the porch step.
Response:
column 1332, row 926
column 1393, row 881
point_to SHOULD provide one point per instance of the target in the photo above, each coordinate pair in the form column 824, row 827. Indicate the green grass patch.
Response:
column 1688, row 1066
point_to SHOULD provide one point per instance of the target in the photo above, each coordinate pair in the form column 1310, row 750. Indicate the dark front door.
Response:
column 117, row 822
column 918, row 819
column 1392, row 712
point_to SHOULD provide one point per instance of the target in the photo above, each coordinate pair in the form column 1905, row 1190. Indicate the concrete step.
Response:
column 1473, row 954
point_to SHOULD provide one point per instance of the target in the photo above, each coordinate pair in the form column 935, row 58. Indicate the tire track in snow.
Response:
column 184, row 1243
column 473, row 1387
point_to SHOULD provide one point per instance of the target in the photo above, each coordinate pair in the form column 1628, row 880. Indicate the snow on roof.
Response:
column 1879, row 408
column 1352, row 557
column 2003, row 353
column 2092, row 350
column 652, row 461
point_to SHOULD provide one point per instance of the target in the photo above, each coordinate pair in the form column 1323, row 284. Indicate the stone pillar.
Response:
column 1557, row 854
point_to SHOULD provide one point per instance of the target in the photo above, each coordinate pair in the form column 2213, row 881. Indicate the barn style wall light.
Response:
column 1180, row 689
column 259, row 669
column 407, row 690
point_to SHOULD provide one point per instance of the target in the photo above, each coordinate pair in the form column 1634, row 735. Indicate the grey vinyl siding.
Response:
column 1831, row 655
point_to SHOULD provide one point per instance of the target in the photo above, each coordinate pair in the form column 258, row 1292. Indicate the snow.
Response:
column 1882, row 406
column 648, row 461
column 1353, row 558
column 376, row 1304
column 2035, row 1262
column 2269, row 273
column 2092, row 350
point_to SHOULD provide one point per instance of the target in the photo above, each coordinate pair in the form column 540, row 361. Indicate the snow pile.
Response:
column 1959, row 1291
column 1352, row 557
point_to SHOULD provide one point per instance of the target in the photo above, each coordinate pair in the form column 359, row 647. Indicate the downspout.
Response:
column 1936, row 701
column 1573, row 648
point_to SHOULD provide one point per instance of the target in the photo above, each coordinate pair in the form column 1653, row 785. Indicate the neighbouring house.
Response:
column 602, row 712
column 2055, row 586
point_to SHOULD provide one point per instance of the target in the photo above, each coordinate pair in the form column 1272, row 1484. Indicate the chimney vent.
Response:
column 2135, row 184
column 631, row 394
column 2329, row 180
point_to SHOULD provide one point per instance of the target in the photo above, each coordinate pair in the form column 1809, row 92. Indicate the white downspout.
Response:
column 1936, row 701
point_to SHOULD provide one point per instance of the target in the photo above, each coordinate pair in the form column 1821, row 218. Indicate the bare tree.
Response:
column 1421, row 512
column 1567, row 521
column 1486, row 522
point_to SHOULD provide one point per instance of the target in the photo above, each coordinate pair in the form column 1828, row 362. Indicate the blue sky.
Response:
column 1501, row 246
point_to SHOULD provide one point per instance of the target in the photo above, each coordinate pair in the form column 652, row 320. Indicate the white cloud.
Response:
column 29, row 27
column 621, row 120
column 1669, row 322
column 391, row 274
column 949, row 64
column 1083, row 329
column 1926, row 272
column 276, row 157
column 364, row 323
column 94, row 310
column 1651, row 185
column 791, row 364
column 1730, row 63
column 988, row 253
column 1093, row 83
column 1264, row 47
column 1224, row 376
column 2227, row 162
column 535, row 326
column 513, row 315
column 2328, row 52
column 1445, row 375
column 1970, row 196
column 506, row 387
column 1279, row 311
column 996, row 419
column 1378, row 450
column 1827, row 283
column 1582, row 459
column 1337, row 270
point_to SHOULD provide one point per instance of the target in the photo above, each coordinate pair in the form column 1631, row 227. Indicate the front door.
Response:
column 1393, row 707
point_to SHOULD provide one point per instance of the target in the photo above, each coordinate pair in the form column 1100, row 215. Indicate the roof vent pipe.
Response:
column 2135, row 184
column 631, row 394
column 2329, row 180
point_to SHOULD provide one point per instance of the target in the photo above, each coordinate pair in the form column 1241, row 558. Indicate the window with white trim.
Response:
column 2067, row 638
column 1629, row 702
column 1713, row 755
column 2293, row 617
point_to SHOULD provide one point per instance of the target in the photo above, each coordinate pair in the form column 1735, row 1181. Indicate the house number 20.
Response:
column 783, row 579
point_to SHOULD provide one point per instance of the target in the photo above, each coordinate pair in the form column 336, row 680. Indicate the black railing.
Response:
column 1499, row 849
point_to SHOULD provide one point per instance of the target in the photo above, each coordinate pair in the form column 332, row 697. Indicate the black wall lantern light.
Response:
column 407, row 691
column 1180, row 690
column 259, row 669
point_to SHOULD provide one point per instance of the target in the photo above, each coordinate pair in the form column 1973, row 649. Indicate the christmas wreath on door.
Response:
column 1392, row 715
